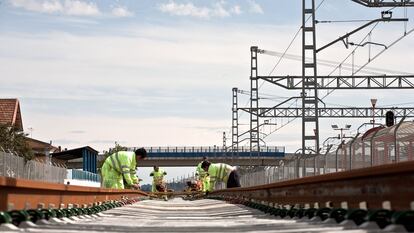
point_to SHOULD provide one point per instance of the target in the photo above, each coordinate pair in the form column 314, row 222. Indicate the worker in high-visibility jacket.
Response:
column 221, row 172
column 158, row 179
column 203, row 176
column 121, row 166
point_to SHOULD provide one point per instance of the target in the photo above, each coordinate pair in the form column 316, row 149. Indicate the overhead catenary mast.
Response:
column 310, row 83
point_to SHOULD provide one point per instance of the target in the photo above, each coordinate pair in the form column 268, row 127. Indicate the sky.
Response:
column 161, row 73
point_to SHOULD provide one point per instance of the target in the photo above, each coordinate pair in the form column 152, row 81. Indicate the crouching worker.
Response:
column 121, row 166
column 203, row 176
column 221, row 172
column 193, row 186
column 158, row 184
column 203, row 180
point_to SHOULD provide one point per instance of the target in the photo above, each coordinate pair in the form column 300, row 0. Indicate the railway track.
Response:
column 374, row 187
column 370, row 199
column 26, row 194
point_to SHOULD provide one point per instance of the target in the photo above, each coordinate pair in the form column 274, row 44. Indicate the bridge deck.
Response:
column 199, row 152
column 213, row 154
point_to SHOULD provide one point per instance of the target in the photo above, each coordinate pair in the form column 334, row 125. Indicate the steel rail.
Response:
column 374, row 185
column 26, row 194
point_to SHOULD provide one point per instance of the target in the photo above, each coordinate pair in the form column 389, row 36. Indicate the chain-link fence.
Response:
column 378, row 146
column 16, row 167
column 180, row 183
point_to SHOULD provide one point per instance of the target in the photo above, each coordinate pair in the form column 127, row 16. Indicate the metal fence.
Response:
column 377, row 146
column 16, row 167
column 83, row 175
column 180, row 183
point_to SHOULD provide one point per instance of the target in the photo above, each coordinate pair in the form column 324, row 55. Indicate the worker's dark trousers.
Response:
column 234, row 180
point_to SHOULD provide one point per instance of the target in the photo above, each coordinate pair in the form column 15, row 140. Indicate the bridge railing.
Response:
column 209, row 149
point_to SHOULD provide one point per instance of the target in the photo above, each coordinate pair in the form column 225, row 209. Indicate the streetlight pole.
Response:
column 373, row 103
column 224, row 142
column 341, row 136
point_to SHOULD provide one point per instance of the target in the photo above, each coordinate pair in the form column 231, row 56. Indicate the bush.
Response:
column 12, row 139
column 111, row 151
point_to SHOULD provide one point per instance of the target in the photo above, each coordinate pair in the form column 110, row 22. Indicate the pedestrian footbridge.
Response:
column 173, row 156
column 191, row 155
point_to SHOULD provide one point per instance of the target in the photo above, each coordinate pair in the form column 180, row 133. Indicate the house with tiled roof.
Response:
column 84, row 157
column 10, row 113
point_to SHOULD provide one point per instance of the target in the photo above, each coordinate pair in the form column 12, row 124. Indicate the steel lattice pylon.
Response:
column 310, row 121
column 254, row 103
column 235, row 124
column 346, row 82
column 309, row 83
column 369, row 112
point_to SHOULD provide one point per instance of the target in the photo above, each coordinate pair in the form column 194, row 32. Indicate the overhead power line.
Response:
column 344, row 65
column 290, row 44
column 343, row 21
column 330, row 63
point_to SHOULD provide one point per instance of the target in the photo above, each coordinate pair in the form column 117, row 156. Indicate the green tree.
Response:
column 14, row 140
column 111, row 151
column 107, row 154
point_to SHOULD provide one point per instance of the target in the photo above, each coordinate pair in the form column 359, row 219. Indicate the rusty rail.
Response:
column 26, row 194
column 374, row 185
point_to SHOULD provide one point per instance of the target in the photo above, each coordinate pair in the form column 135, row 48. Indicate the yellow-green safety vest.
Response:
column 203, row 177
column 219, row 172
column 124, row 163
column 157, row 178
column 159, row 175
column 200, row 172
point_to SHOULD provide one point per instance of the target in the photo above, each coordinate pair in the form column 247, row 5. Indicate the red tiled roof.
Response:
column 10, row 113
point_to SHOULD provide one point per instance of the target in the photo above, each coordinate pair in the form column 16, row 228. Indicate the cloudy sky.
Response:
column 160, row 73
